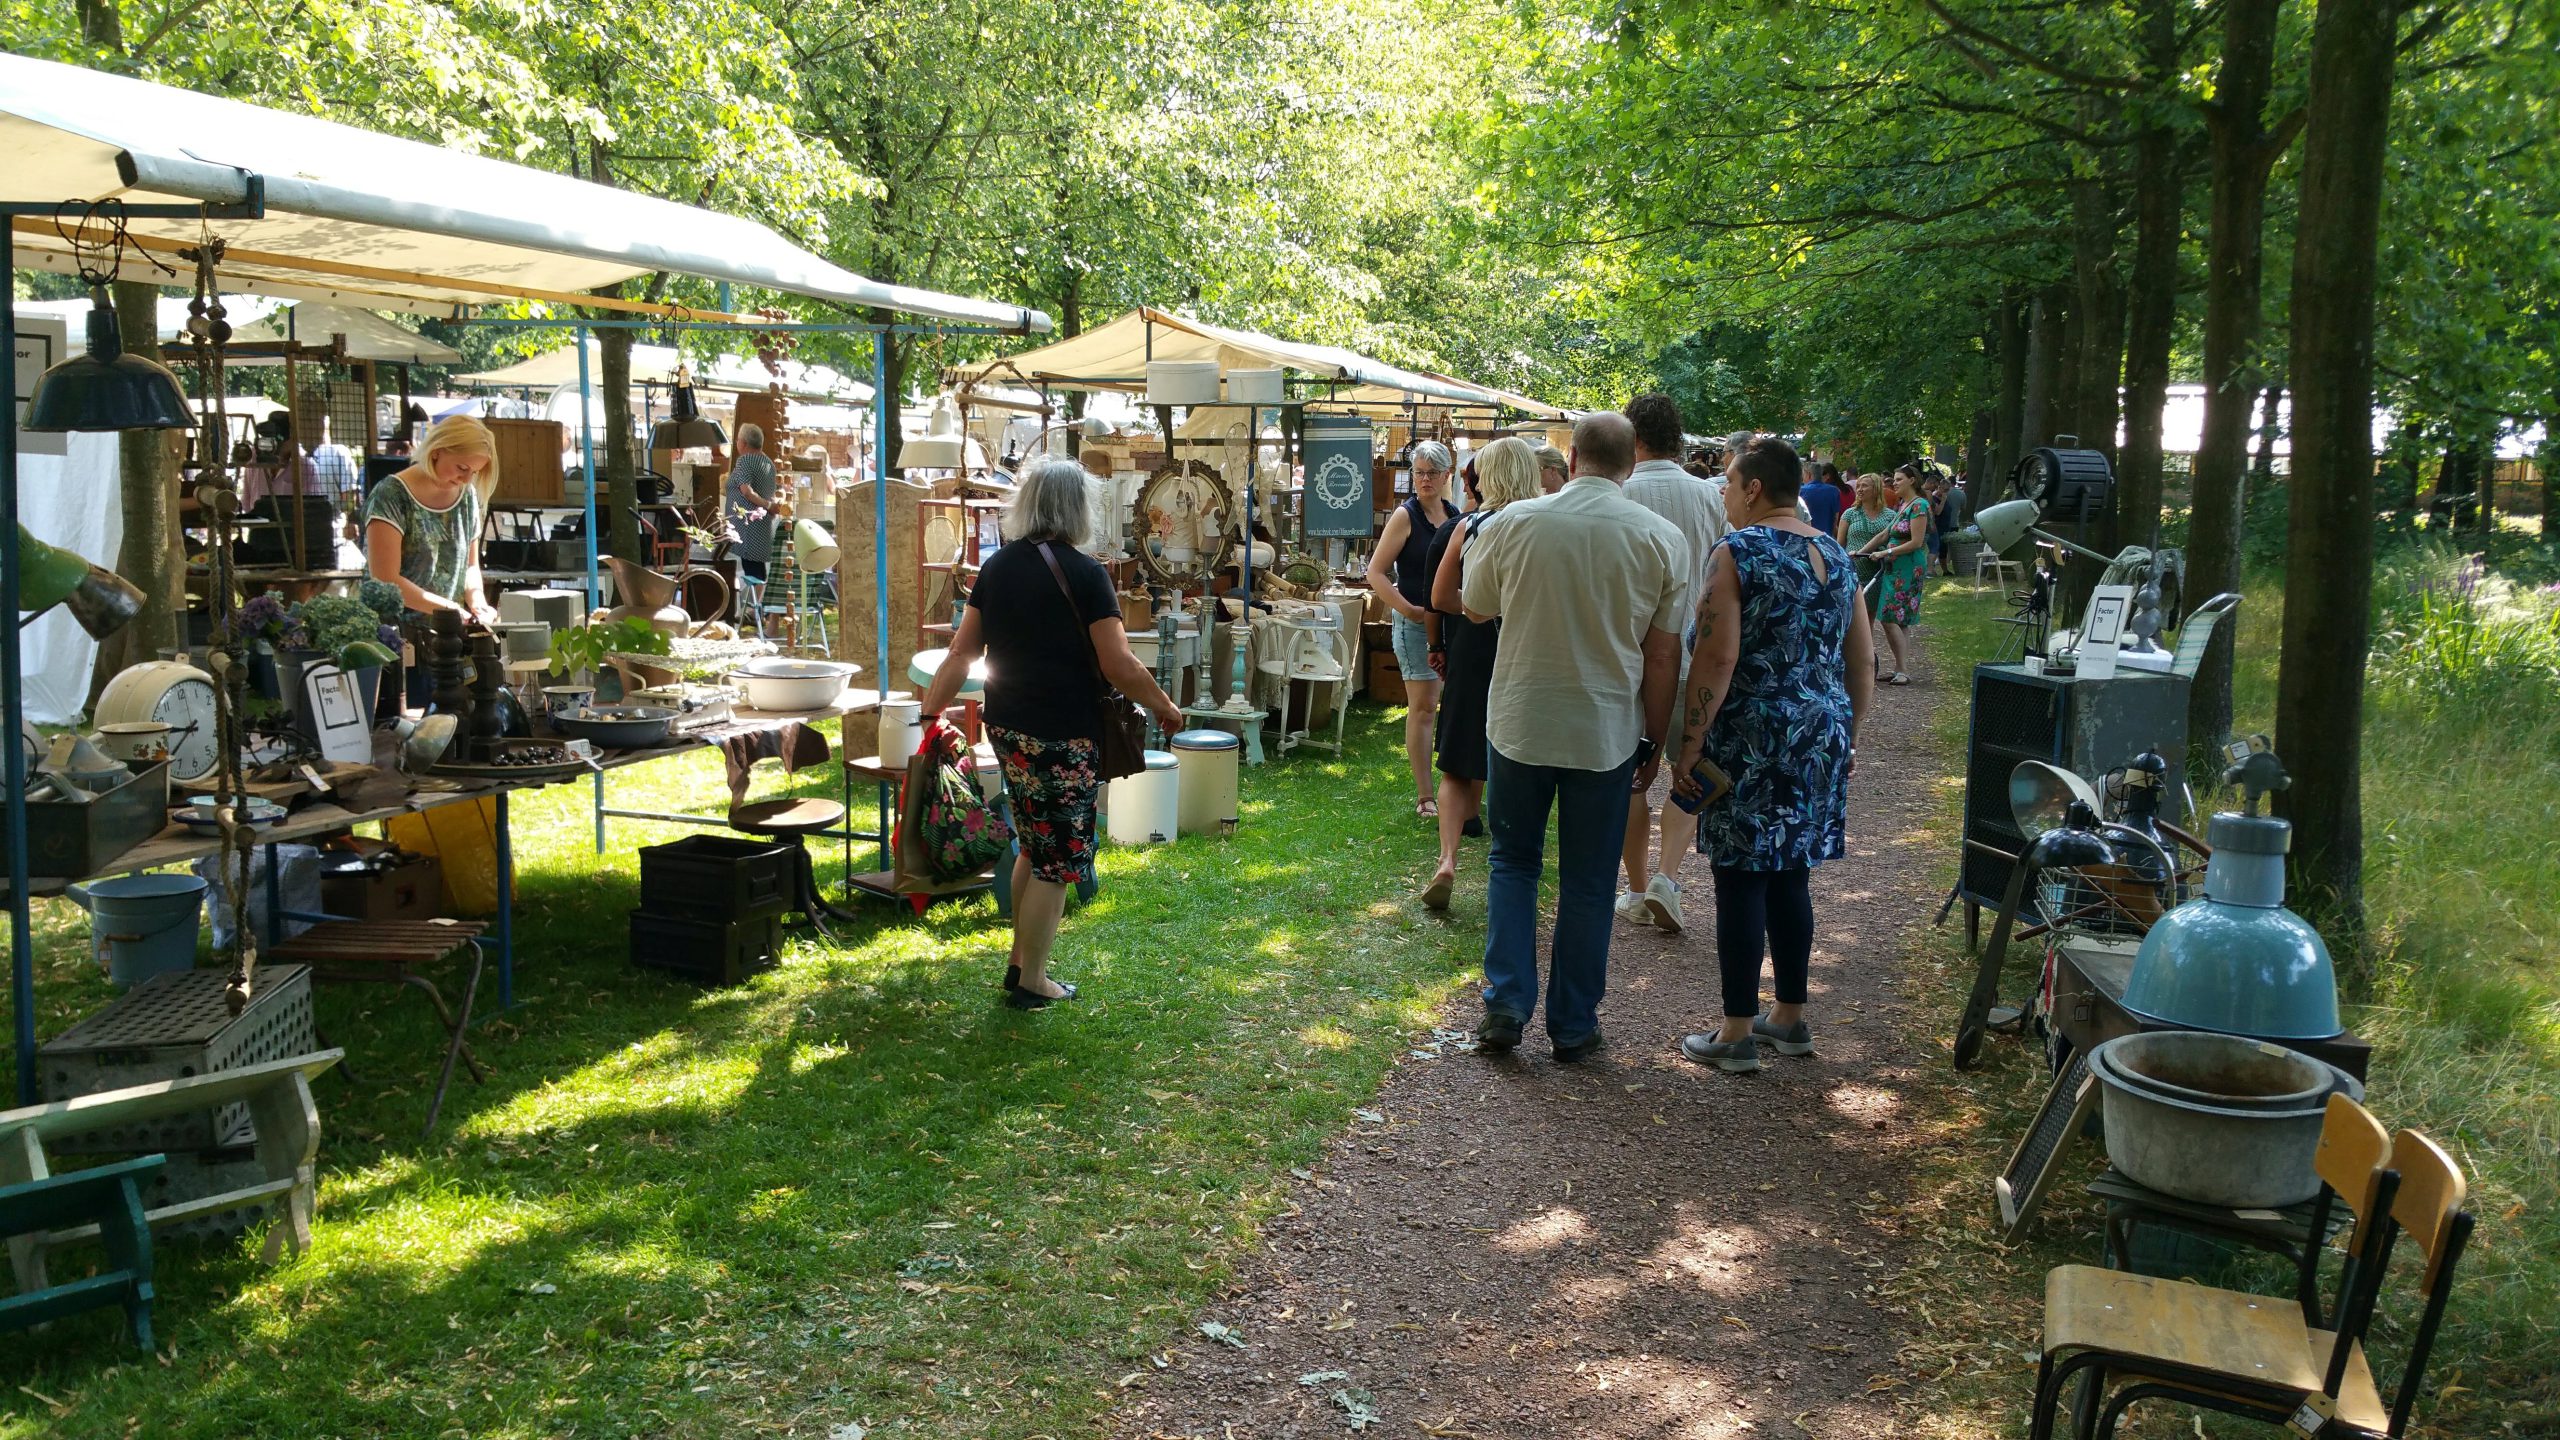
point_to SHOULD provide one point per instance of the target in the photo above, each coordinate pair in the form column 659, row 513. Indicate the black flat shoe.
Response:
column 1012, row 978
column 1473, row 829
column 1021, row 999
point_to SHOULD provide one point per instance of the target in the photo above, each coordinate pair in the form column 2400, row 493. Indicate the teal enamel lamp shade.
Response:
column 2235, row 959
column 107, row 389
column 48, row 575
column 2005, row 527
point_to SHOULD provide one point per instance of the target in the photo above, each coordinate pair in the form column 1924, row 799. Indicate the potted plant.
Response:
column 580, row 653
column 255, row 631
column 346, row 632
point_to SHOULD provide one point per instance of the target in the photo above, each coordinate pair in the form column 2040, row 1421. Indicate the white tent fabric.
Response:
column 656, row 364
column 241, row 310
column 1114, row 357
column 67, row 500
column 370, row 220
column 369, row 336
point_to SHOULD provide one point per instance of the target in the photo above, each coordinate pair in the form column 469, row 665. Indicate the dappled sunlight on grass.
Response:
column 734, row 1196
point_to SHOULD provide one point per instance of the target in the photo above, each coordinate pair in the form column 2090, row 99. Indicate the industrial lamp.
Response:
column 812, row 548
column 685, row 427
column 941, row 446
column 107, row 389
column 101, row 600
column 2011, row 523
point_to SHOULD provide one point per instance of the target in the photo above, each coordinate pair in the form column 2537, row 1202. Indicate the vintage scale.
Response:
column 1181, row 539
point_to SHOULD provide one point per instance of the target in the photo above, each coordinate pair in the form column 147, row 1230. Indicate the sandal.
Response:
column 1427, row 809
column 1897, row 678
column 1436, row 895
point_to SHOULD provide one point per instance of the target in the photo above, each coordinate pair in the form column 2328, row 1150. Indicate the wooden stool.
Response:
column 1987, row 561
column 108, row 1197
column 391, row 952
column 791, row 820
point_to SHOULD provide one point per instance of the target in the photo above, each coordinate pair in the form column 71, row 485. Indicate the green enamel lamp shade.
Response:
column 101, row 600
column 107, row 389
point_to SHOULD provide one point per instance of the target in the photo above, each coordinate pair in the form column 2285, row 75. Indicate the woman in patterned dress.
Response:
column 1781, row 677
column 1901, row 552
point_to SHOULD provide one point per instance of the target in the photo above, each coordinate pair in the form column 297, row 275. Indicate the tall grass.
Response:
column 2459, row 987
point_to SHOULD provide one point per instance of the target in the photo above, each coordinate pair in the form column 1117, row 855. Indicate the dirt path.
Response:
column 1631, row 1247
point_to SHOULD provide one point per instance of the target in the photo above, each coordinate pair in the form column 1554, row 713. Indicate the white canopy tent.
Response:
column 370, row 220
column 369, row 336
column 656, row 365
column 1114, row 357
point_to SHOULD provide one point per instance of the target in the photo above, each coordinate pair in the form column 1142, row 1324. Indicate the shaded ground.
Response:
column 1630, row 1247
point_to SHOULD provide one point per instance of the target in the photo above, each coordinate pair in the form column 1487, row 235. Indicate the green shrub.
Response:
column 2466, row 643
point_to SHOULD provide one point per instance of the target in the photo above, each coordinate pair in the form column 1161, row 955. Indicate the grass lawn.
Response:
column 855, row 1191
column 2459, row 991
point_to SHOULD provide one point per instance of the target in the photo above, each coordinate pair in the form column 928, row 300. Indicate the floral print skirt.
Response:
column 1056, row 789
column 1901, row 587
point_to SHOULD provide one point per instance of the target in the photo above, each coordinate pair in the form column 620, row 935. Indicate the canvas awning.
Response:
column 656, row 365
column 370, row 220
column 1115, row 356
column 369, row 336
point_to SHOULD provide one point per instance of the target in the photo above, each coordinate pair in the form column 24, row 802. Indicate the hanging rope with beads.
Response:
column 209, row 334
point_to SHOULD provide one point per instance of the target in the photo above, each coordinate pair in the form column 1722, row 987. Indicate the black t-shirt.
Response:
column 1040, row 680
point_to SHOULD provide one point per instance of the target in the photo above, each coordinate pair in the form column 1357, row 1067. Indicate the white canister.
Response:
column 1258, row 386
column 1145, row 808
column 1182, row 382
column 901, row 730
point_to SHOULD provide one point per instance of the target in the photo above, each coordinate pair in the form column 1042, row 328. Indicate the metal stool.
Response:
column 791, row 820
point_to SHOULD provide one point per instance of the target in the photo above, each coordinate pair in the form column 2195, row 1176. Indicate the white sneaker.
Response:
column 1662, row 902
column 1632, row 906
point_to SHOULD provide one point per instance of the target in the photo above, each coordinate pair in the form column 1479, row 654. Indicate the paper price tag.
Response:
column 313, row 778
column 2311, row 1418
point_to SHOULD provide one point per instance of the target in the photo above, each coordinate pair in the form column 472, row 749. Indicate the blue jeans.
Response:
column 1591, row 828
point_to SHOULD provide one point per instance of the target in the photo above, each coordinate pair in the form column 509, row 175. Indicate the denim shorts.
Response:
column 1413, row 651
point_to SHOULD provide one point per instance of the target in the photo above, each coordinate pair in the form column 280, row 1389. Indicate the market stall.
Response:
column 116, row 178
column 1296, row 448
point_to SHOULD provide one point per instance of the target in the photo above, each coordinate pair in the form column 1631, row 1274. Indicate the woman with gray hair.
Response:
column 1400, row 573
column 1048, row 621
column 751, row 490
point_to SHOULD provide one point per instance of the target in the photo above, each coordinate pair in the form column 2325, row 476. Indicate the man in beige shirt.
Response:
column 1590, row 587
column 1696, row 508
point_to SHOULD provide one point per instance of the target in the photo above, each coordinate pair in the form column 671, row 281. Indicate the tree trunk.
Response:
column 2548, row 462
column 2098, row 283
column 621, row 472
column 2044, row 370
column 2262, row 463
column 2151, row 304
column 1977, row 448
column 2008, row 431
column 2242, row 155
column 2320, row 688
column 148, row 554
column 2400, row 472
column 893, row 438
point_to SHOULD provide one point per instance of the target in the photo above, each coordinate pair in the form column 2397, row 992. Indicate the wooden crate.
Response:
column 529, row 460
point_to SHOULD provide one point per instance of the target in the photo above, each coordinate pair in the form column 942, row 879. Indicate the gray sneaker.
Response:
column 1796, row 1039
column 1734, row 1057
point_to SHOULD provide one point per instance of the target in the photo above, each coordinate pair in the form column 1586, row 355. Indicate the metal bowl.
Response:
column 2207, row 1068
column 616, row 727
column 2212, row 1154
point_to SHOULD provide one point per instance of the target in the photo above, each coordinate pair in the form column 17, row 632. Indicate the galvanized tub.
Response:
column 2215, row 1150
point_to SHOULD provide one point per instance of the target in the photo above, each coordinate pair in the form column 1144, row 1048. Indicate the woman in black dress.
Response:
column 1462, row 652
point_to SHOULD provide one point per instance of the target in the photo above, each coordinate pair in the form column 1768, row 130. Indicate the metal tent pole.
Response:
column 595, row 589
column 22, row 950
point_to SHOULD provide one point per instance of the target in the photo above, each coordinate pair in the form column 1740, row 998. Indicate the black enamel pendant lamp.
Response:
column 107, row 389
column 685, row 427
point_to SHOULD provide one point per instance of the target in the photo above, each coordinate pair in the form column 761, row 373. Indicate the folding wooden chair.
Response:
column 2107, row 1324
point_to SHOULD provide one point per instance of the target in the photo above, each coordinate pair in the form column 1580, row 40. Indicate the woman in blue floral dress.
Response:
column 1782, row 673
